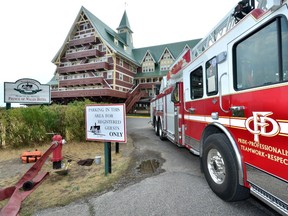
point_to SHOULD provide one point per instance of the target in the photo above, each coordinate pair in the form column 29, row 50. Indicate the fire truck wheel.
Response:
column 156, row 128
column 220, row 169
column 161, row 134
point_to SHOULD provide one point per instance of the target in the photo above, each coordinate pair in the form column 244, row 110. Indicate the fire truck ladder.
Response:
column 220, row 29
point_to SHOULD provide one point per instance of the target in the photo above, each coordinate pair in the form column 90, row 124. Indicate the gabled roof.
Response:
column 147, row 53
column 174, row 48
column 106, row 34
column 102, row 29
column 166, row 49
column 134, row 55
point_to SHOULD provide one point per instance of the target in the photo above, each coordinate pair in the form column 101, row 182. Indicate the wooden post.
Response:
column 117, row 147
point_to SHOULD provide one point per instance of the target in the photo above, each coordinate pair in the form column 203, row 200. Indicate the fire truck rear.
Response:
column 226, row 101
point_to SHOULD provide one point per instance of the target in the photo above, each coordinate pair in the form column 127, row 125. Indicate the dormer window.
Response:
column 166, row 61
column 148, row 64
column 116, row 42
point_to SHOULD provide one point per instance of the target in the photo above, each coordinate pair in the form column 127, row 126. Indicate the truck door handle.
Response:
column 191, row 110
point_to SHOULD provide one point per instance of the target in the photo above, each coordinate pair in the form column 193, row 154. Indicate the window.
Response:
column 211, row 76
column 166, row 61
column 109, row 75
column 133, row 69
column 85, row 26
column 175, row 94
column 148, row 68
column 262, row 58
column 196, row 82
column 120, row 76
column 121, row 62
column 104, row 48
column 148, row 64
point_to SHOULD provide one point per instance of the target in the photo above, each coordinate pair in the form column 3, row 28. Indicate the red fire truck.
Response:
column 226, row 100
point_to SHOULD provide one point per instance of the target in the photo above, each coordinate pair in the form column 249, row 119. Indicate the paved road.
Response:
column 180, row 189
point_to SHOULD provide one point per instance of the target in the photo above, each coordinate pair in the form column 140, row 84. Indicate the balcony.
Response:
column 98, row 66
column 83, row 54
column 124, row 84
column 83, row 40
column 126, row 71
column 81, row 82
column 87, row 93
column 147, row 85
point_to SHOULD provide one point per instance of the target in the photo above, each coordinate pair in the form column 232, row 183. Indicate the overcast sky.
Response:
column 32, row 31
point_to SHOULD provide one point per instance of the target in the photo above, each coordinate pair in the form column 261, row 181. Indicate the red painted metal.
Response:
column 18, row 193
column 57, row 153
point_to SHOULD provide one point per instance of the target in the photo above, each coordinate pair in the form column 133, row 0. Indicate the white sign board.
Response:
column 106, row 122
column 28, row 91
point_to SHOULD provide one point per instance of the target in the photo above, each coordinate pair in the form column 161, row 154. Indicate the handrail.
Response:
column 220, row 93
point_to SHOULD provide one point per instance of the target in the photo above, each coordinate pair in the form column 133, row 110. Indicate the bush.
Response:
column 35, row 125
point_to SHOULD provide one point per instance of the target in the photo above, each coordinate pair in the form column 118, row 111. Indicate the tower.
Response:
column 124, row 31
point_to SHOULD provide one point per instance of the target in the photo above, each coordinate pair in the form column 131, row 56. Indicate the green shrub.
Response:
column 35, row 125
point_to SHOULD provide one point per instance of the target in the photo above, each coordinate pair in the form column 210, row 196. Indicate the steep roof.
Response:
column 53, row 81
column 134, row 55
column 124, row 22
column 105, row 32
column 108, row 35
column 174, row 48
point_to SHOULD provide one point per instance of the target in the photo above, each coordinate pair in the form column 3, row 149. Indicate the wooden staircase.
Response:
column 133, row 97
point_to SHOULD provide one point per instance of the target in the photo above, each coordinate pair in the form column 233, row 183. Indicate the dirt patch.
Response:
column 148, row 166
column 13, row 167
column 128, row 167
column 140, row 168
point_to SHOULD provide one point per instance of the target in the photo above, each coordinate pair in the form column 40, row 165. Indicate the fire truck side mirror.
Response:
column 221, row 57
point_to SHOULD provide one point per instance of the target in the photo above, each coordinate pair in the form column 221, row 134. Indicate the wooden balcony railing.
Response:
column 87, row 93
column 80, row 82
column 83, row 54
column 84, row 67
column 87, row 40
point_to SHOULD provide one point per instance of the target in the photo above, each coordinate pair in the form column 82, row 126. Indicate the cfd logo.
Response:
column 261, row 122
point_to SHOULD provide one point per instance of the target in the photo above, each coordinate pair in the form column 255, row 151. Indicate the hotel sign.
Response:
column 28, row 91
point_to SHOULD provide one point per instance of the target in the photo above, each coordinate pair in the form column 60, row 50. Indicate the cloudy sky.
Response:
column 33, row 31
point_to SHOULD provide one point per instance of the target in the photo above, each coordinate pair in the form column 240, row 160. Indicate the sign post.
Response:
column 8, row 106
column 108, row 162
column 106, row 123
column 116, row 147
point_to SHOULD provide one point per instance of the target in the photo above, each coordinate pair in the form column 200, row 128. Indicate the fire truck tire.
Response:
column 160, row 130
column 220, row 169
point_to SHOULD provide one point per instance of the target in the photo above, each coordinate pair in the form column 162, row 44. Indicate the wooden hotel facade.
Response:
column 102, row 65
